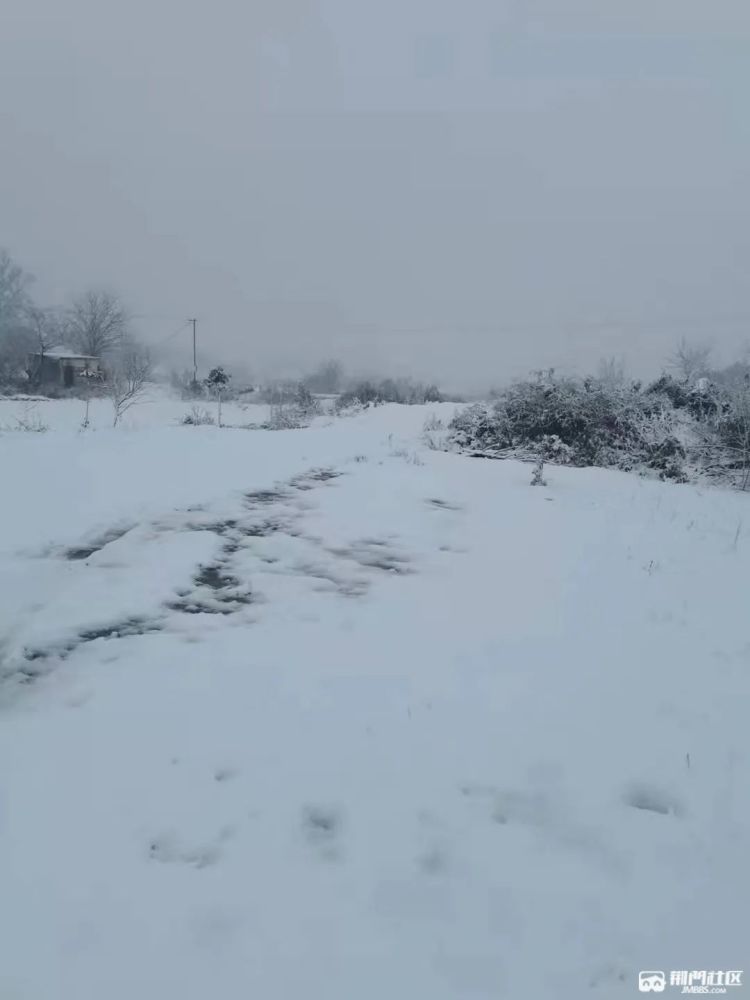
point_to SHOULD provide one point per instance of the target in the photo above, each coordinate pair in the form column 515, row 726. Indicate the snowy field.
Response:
column 326, row 714
column 155, row 410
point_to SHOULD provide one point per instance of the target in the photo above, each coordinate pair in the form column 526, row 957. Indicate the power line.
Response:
column 171, row 336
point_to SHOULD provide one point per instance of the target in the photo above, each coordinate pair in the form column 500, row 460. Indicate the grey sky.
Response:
column 460, row 189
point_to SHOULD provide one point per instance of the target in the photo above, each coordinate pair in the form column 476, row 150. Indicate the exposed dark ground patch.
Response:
column 323, row 475
column 307, row 480
column 374, row 556
column 347, row 587
column 131, row 626
column 261, row 498
column 215, row 589
column 215, row 592
column 656, row 800
column 195, row 606
column 443, row 504
column 62, row 650
column 220, row 604
column 79, row 552
column 217, row 527
column 261, row 529
column 215, row 578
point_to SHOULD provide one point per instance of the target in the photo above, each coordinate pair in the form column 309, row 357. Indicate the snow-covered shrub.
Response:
column 656, row 445
column 410, row 457
column 197, row 417
column 305, row 403
column 477, row 428
column 733, row 432
column 29, row 421
column 283, row 417
column 555, row 450
column 573, row 421
column 185, row 386
column 360, row 395
column 674, row 427
column 702, row 399
column 668, row 389
column 31, row 424
column 537, row 477
column 293, row 407
column 434, row 432
column 388, row 390
column 577, row 421
column 349, row 408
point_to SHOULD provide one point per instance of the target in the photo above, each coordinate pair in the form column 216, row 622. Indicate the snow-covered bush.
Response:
column 283, row 417
column 305, row 404
column 434, row 433
column 574, row 421
column 361, row 395
column 197, row 417
column 701, row 400
column 537, row 477
column 388, row 390
column 477, row 429
column 733, row 432
column 30, row 423
column 293, row 413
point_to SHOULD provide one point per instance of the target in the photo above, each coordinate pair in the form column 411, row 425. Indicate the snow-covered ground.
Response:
column 156, row 409
column 326, row 714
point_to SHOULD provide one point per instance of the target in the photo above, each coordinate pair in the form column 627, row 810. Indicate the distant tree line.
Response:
column 389, row 390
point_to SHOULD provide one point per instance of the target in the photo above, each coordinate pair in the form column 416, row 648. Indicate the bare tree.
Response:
column 327, row 378
column 98, row 323
column 16, row 341
column 690, row 361
column 129, row 375
column 47, row 328
column 14, row 296
column 611, row 371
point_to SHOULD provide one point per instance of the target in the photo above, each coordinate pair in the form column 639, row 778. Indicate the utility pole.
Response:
column 195, row 356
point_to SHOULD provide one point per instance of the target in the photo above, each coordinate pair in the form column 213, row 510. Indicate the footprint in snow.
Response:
column 222, row 774
column 649, row 798
column 168, row 849
column 322, row 828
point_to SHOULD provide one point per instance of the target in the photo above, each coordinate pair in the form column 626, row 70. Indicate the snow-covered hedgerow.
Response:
column 574, row 421
column 668, row 428
column 197, row 417
column 388, row 391
column 671, row 428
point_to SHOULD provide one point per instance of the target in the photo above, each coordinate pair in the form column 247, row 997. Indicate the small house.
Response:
column 64, row 367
